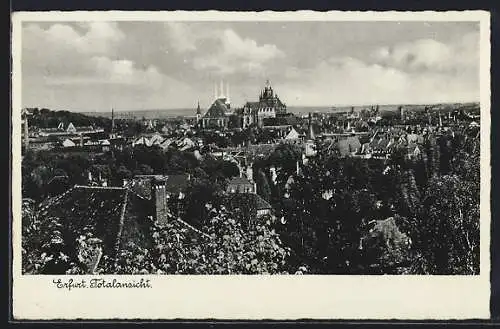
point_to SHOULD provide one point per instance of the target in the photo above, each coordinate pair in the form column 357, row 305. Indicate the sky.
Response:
column 96, row 66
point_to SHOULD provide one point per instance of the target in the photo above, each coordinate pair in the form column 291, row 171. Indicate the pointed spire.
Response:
column 198, row 110
column 215, row 91
column 112, row 120
column 227, row 91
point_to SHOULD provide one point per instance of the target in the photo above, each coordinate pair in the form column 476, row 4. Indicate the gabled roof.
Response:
column 348, row 145
column 142, row 141
column 166, row 143
column 68, row 143
column 237, row 200
column 252, row 105
column 156, row 139
column 217, row 109
column 103, row 211
column 174, row 184
column 293, row 134
column 261, row 203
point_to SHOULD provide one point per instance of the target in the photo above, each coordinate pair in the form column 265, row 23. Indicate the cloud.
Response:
column 144, row 64
column 351, row 81
column 107, row 71
column 99, row 38
column 422, row 71
column 221, row 51
column 235, row 54
column 71, row 62
column 429, row 54
column 182, row 38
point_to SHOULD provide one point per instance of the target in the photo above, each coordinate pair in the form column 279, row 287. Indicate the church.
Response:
column 268, row 106
column 220, row 115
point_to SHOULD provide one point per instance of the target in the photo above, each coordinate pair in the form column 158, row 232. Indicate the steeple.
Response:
column 112, row 120
column 198, row 113
column 310, row 132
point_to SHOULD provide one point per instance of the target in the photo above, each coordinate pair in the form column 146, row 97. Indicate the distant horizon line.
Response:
column 288, row 106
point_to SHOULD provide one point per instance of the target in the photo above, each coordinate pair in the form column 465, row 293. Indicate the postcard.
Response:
column 251, row 165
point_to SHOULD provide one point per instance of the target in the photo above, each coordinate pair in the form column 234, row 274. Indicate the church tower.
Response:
column 198, row 113
column 112, row 123
column 310, row 148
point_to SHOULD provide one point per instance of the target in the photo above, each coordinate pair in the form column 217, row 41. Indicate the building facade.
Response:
column 268, row 106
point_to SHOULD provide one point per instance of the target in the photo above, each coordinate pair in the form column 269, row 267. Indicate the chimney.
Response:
column 159, row 198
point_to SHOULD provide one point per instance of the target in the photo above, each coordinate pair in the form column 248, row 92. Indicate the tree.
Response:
column 201, row 191
column 385, row 249
column 44, row 250
column 263, row 188
column 224, row 248
column 448, row 239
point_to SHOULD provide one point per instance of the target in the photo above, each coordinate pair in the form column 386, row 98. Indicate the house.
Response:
column 166, row 143
column 111, row 216
column 175, row 185
column 68, row 143
column 414, row 151
column 241, row 185
column 70, row 130
column 108, row 219
column 185, row 144
column 173, row 189
column 141, row 141
column 156, row 139
column 292, row 135
column 349, row 146
column 105, row 145
column 250, row 205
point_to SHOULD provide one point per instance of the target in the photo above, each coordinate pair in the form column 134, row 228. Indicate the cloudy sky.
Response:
column 94, row 66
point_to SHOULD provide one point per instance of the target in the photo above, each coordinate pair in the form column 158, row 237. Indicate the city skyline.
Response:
column 170, row 65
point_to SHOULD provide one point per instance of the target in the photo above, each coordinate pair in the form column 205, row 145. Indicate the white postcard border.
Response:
column 258, row 297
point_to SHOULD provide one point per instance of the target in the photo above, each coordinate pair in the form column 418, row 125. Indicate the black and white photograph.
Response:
column 251, row 147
